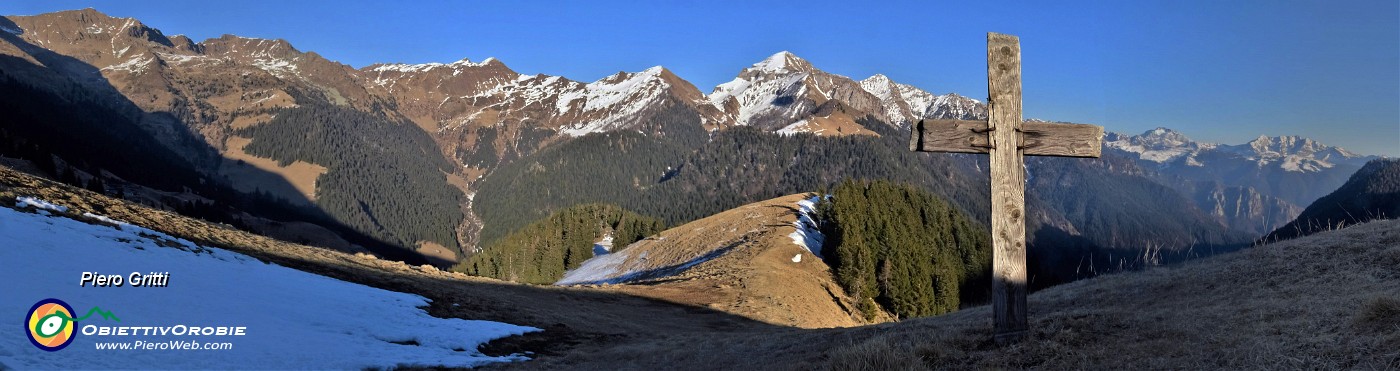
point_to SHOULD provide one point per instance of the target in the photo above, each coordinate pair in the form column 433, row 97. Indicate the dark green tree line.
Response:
column 541, row 252
column 900, row 249
column 384, row 178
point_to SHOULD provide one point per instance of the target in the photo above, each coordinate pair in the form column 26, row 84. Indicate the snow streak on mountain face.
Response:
column 618, row 97
column 906, row 103
column 293, row 319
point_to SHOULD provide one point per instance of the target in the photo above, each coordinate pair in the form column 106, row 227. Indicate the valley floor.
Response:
column 1330, row 301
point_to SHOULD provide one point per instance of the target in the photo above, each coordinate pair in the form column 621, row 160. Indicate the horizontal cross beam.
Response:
column 1036, row 138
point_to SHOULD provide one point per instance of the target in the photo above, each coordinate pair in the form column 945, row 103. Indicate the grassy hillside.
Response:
column 743, row 261
column 1327, row 301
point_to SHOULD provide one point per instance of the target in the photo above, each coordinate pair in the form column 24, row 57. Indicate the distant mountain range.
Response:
column 1255, row 186
column 442, row 158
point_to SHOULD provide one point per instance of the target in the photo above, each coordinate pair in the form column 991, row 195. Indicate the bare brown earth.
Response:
column 835, row 124
column 754, row 276
column 256, row 173
column 1327, row 301
column 436, row 250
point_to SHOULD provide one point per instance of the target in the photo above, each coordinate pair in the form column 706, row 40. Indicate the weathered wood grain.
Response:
column 1008, row 189
column 1036, row 138
column 960, row 136
column 1063, row 140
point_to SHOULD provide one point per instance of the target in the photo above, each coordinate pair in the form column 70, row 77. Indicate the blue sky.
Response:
column 1221, row 71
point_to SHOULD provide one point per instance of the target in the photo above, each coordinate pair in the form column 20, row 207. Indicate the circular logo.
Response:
column 50, row 324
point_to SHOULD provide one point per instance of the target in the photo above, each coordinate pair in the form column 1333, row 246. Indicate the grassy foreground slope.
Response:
column 1327, row 301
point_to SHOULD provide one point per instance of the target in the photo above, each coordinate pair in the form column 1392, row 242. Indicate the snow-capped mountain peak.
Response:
column 901, row 102
column 1286, row 145
column 1158, row 145
column 1295, row 153
column 782, row 62
column 954, row 106
column 1165, row 138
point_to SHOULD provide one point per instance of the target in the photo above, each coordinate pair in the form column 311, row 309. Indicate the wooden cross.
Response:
column 1006, row 138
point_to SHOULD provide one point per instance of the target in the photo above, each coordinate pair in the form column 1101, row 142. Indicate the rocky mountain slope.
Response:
column 223, row 105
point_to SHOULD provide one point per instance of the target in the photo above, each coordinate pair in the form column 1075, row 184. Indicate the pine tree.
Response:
column 96, row 185
column 543, row 251
column 900, row 249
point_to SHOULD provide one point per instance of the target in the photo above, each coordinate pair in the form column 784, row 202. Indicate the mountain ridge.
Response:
column 1372, row 193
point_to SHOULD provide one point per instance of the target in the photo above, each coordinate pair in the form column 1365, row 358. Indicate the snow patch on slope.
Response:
column 629, row 265
column 178, row 58
column 901, row 102
column 279, row 67
column 798, row 127
column 603, row 246
column 808, row 234
column 133, row 65
column 294, row 319
column 40, row 204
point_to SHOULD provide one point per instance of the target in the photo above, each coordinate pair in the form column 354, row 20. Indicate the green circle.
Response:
column 38, row 327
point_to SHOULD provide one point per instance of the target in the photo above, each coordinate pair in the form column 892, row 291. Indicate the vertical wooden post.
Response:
column 1008, row 188
column 1007, row 139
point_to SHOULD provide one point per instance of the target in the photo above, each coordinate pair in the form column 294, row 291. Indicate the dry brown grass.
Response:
column 1325, row 301
column 1321, row 302
column 753, row 274
column 835, row 124
column 1380, row 314
column 436, row 250
column 265, row 174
